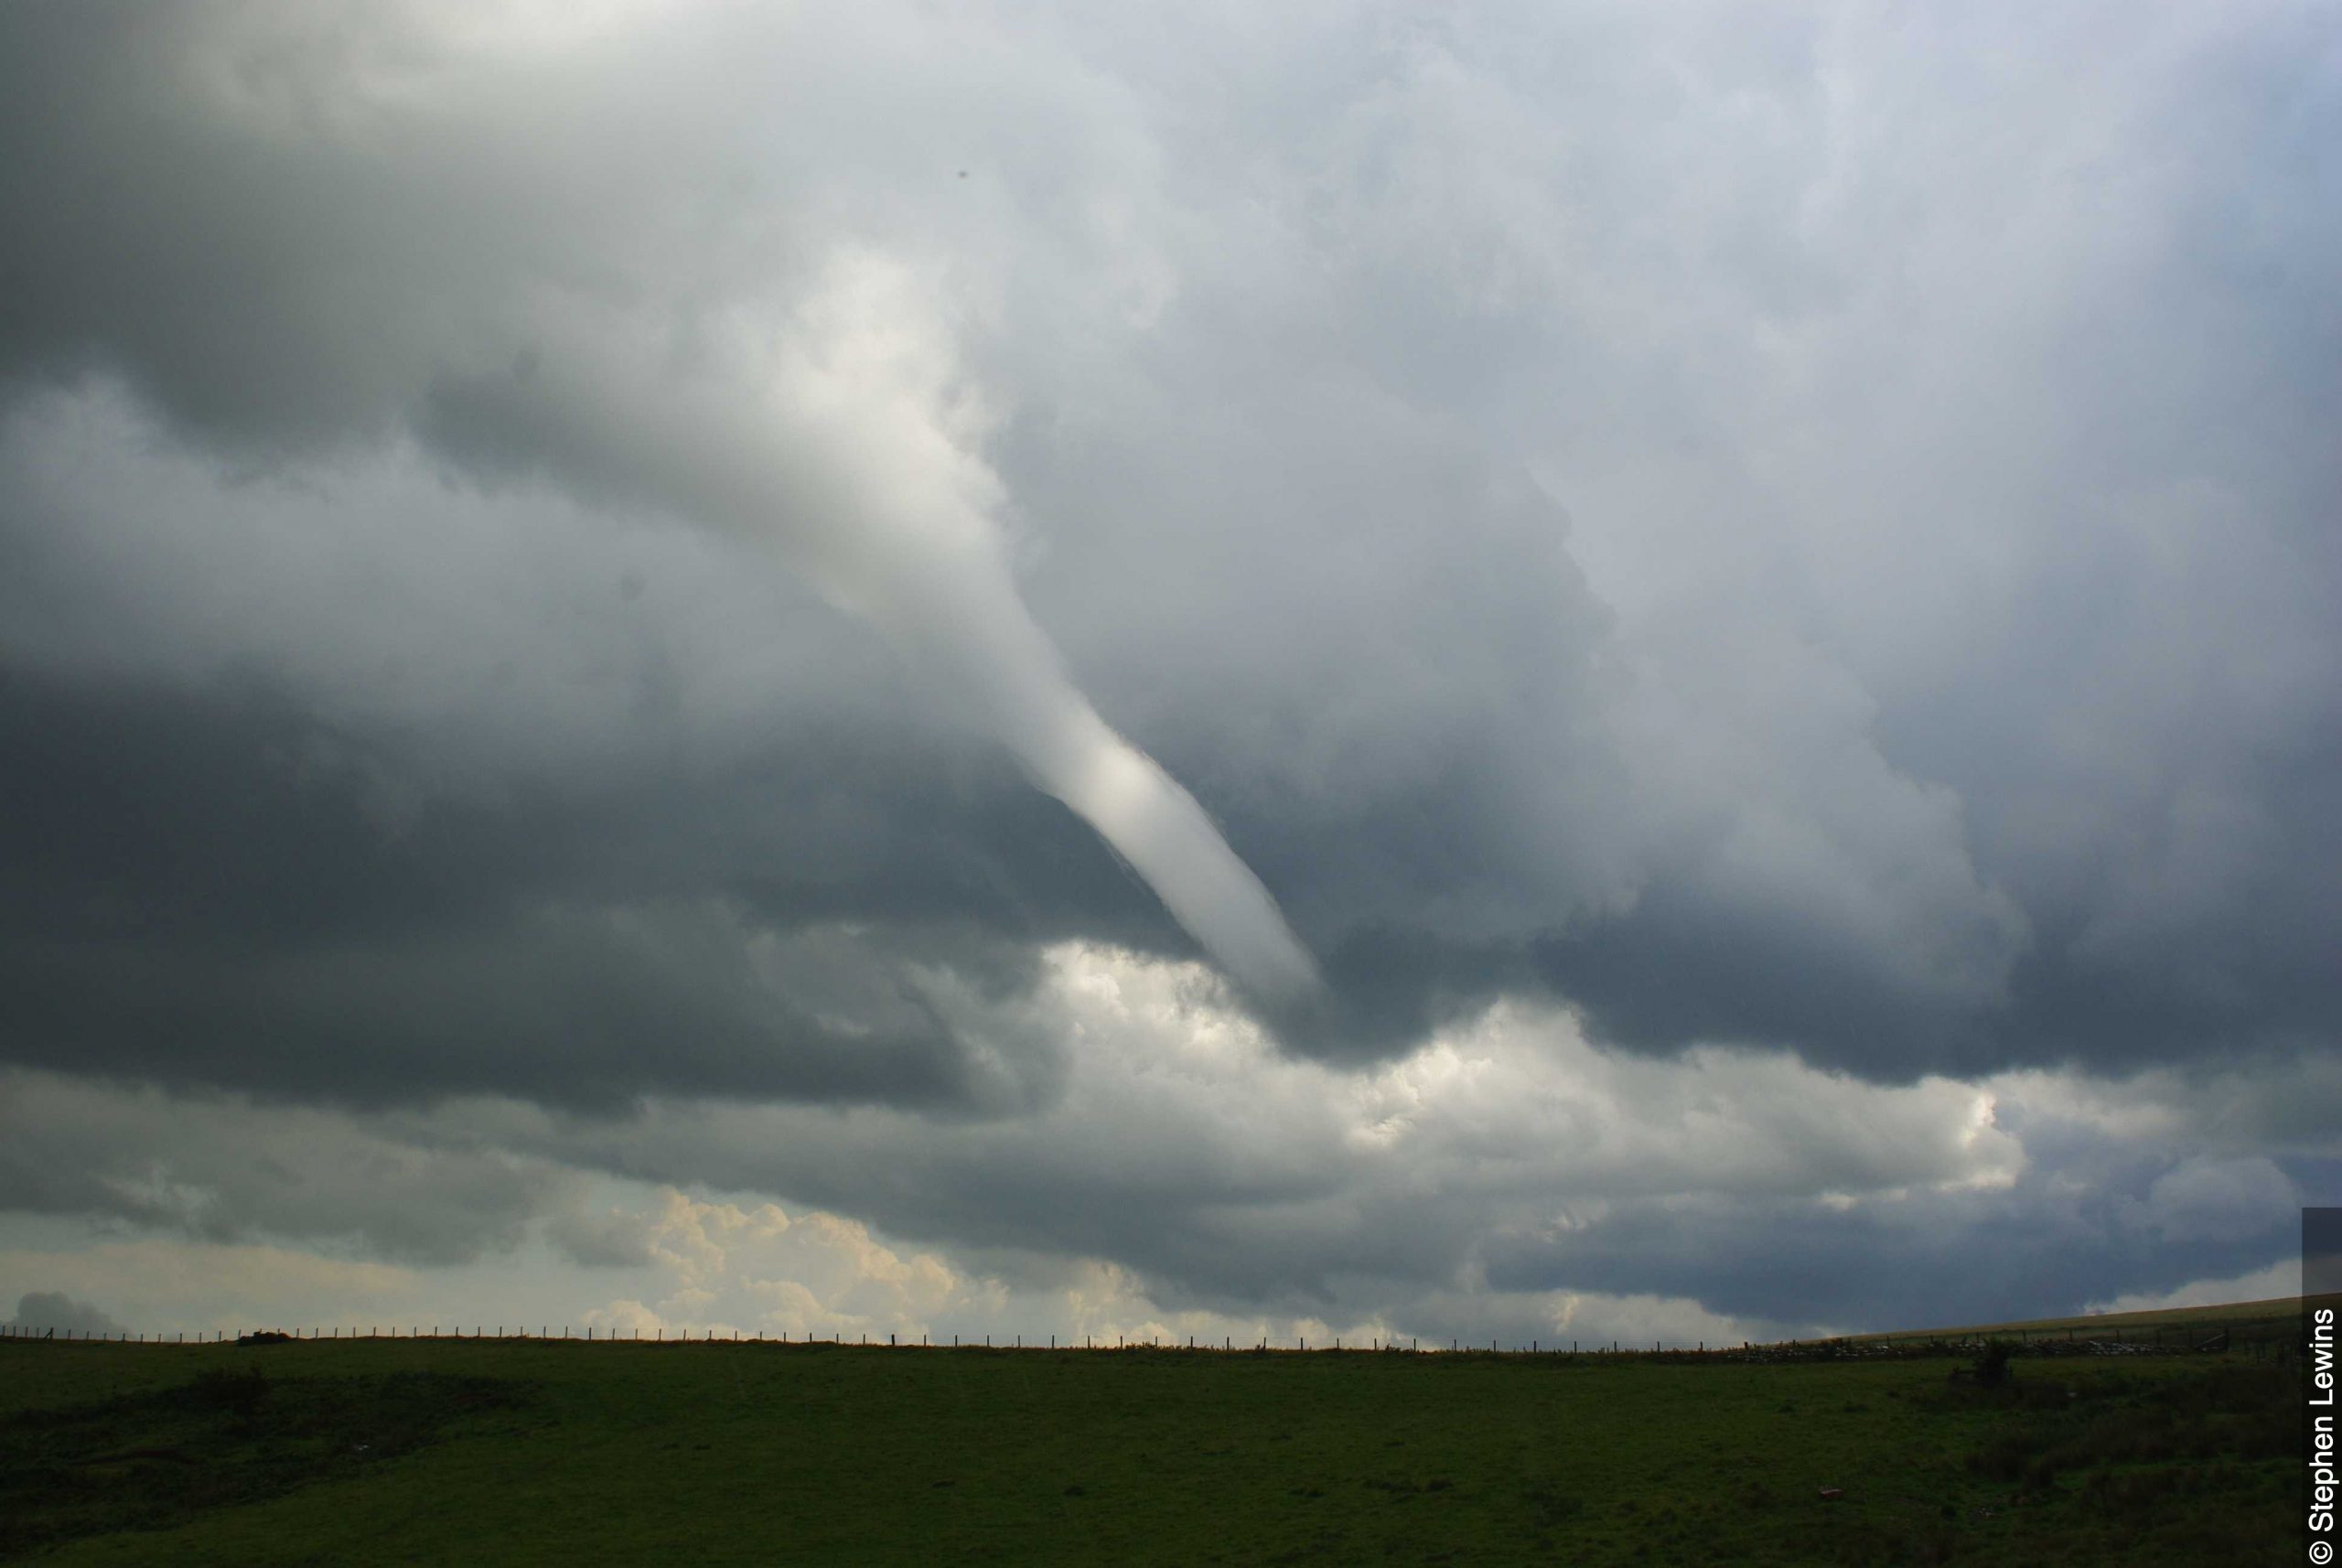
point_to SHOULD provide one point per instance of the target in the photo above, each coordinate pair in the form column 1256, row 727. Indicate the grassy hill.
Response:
column 2259, row 1320
column 534, row 1452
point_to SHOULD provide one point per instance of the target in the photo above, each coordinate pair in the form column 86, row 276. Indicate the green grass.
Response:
column 563, row 1452
column 2263, row 1320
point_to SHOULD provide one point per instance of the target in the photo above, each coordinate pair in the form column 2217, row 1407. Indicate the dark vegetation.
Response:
column 2201, row 1467
column 227, row 1436
column 527, row 1451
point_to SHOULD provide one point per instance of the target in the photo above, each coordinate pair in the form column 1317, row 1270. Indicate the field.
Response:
column 2262, row 1321
column 534, row 1452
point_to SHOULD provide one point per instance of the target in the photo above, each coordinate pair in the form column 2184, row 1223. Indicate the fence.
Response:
column 2253, row 1336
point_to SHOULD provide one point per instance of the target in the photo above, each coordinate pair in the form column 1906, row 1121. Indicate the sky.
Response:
column 1578, row 672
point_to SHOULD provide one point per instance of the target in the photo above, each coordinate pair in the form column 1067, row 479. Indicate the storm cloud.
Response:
column 743, row 601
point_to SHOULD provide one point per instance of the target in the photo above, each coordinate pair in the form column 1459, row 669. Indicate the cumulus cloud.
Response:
column 46, row 1309
column 1725, row 615
column 762, row 1272
column 2202, row 1200
column 1510, row 1178
column 161, row 1285
column 227, row 1170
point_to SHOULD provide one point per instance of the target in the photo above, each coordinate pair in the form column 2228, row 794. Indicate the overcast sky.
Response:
column 1530, row 670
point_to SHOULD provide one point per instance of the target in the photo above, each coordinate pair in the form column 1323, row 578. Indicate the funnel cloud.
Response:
column 839, row 432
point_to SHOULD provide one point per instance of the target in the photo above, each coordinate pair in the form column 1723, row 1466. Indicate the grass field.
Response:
column 2277, row 1318
column 534, row 1452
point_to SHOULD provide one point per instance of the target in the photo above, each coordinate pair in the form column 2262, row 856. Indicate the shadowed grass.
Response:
column 535, row 1452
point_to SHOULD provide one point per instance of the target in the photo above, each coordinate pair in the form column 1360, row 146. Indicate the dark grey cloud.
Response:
column 222, row 1170
column 1943, row 1259
column 1279, row 545
column 209, row 893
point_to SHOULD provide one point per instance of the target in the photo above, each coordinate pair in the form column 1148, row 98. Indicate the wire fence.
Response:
column 2255, row 1337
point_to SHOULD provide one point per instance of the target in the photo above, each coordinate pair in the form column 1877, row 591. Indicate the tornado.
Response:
column 841, row 437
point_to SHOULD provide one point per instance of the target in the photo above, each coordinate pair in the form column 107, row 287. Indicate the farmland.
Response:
column 556, row 1452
